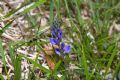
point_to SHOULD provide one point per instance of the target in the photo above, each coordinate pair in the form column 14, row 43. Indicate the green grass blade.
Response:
column 78, row 12
column 51, row 11
column 85, row 64
column 12, row 55
column 57, row 65
column 1, row 77
column 17, row 68
column 6, row 27
column 111, row 60
column 116, row 70
column 33, row 6
column 2, row 54
column 24, row 9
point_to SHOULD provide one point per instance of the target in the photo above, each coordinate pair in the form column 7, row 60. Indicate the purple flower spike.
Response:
column 56, row 39
column 67, row 49
column 53, row 41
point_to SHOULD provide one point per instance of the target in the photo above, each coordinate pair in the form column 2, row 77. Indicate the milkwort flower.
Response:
column 56, row 39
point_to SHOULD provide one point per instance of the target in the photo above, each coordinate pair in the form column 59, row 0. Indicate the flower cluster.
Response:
column 56, row 39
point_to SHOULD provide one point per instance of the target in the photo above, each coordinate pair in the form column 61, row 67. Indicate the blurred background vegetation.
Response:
column 91, row 27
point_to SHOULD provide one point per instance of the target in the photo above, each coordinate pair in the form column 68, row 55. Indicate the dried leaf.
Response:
column 48, row 49
column 50, row 62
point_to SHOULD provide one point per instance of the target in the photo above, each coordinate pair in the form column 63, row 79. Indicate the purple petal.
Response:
column 67, row 49
column 60, row 34
column 62, row 45
column 53, row 41
column 57, row 51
